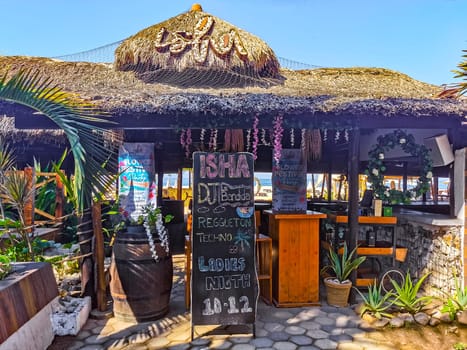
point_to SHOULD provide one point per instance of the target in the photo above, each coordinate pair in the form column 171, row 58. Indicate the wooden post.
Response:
column 179, row 183
column 99, row 256
column 353, row 181
column 435, row 190
column 29, row 205
column 405, row 177
column 158, row 152
column 85, row 240
column 59, row 196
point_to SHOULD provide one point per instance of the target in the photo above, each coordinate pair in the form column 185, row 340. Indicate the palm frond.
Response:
column 74, row 116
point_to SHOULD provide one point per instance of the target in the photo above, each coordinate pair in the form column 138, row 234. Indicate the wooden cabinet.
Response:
column 295, row 263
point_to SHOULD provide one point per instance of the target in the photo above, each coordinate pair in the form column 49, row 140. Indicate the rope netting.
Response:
column 202, row 75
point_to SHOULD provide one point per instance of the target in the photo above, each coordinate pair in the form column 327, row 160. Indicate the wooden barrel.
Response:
column 140, row 286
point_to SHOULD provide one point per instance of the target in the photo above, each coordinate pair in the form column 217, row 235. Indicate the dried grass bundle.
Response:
column 311, row 144
column 233, row 140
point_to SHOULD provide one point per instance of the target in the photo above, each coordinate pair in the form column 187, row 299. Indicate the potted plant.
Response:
column 134, row 225
column 142, row 269
column 338, row 286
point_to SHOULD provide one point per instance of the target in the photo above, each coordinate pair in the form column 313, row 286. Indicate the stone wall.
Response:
column 436, row 250
column 431, row 249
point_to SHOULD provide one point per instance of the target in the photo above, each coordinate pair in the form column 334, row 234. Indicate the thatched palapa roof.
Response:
column 195, row 70
column 332, row 92
column 196, row 49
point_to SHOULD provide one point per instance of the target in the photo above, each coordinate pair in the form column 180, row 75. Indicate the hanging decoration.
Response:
column 346, row 135
column 376, row 167
column 183, row 139
column 292, row 138
column 263, row 138
column 213, row 140
column 233, row 140
column 311, row 144
column 255, row 137
column 325, row 135
column 316, row 144
column 248, row 140
column 337, row 136
column 201, row 138
column 278, row 131
column 188, row 142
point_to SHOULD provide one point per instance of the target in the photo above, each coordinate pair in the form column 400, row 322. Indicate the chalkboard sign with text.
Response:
column 289, row 183
column 224, row 282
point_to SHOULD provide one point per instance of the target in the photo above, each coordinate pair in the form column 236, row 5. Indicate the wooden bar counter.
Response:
column 295, row 263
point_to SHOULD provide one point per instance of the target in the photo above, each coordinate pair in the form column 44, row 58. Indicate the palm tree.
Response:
column 77, row 119
column 462, row 73
column 91, row 154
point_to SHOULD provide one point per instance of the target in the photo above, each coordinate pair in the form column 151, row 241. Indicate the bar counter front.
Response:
column 295, row 261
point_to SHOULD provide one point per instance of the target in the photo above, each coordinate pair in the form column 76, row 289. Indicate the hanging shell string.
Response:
column 213, row 140
column 263, row 138
column 248, row 139
column 201, row 138
column 337, row 136
column 292, row 137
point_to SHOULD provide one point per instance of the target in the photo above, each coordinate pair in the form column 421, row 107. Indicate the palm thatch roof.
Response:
column 9, row 133
column 323, row 93
column 199, row 50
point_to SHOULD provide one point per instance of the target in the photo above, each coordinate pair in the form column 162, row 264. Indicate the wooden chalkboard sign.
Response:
column 289, row 183
column 224, row 282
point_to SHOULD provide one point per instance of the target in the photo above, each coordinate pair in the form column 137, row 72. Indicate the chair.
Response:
column 263, row 261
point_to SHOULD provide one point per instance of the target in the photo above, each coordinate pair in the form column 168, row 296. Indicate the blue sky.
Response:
column 422, row 38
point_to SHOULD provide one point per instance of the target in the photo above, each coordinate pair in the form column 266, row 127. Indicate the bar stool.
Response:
column 263, row 261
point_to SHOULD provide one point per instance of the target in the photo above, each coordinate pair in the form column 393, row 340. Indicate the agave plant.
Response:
column 406, row 296
column 376, row 302
column 457, row 301
column 77, row 119
column 343, row 266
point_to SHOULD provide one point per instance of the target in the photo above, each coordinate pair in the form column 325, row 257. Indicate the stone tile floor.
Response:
column 304, row 328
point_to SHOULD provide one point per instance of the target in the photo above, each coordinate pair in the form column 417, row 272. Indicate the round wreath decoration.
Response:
column 376, row 167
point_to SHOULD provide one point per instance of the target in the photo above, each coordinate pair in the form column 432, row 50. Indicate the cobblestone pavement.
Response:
column 303, row 328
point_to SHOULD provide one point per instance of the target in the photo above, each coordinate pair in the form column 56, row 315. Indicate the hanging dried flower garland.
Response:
column 376, row 167
column 255, row 137
column 278, row 131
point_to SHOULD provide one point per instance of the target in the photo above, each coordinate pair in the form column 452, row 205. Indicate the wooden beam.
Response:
column 353, row 181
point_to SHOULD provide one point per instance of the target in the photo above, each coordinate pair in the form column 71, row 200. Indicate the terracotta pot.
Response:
column 337, row 293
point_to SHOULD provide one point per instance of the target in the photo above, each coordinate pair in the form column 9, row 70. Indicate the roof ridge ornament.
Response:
column 196, row 7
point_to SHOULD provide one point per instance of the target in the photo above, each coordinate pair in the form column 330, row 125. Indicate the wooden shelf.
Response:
column 371, row 220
